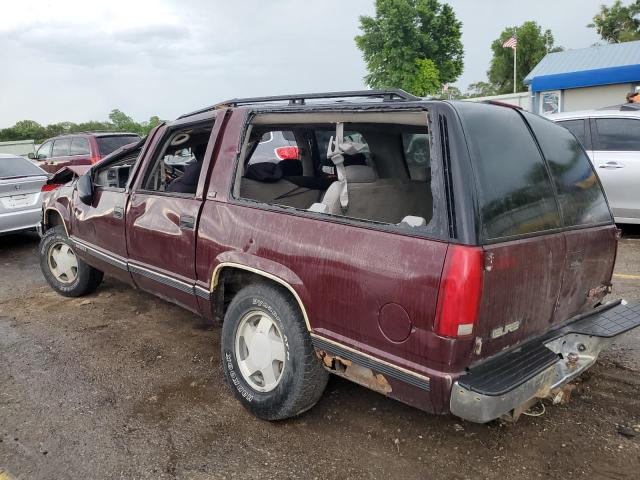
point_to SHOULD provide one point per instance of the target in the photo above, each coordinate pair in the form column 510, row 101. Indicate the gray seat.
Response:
column 387, row 200
column 281, row 192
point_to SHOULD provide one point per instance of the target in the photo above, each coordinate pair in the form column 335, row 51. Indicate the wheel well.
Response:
column 52, row 219
column 231, row 280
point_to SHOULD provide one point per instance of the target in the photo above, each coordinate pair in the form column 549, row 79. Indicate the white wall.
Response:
column 19, row 147
column 595, row 97
column 522, row 100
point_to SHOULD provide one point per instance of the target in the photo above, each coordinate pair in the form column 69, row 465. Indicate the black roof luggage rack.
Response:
column 389, row 95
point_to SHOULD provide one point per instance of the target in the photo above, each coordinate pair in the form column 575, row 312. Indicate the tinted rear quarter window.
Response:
column 18, row 167
column 109, row 144
column 581, row 199
column 622, row 134
column 515, row 192
column 577, row 127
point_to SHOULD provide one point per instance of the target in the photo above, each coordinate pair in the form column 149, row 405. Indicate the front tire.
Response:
column 62, row 269
column 267, row 354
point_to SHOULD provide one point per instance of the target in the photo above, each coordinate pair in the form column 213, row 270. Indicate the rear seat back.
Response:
column 386, row 200
column 281, row 192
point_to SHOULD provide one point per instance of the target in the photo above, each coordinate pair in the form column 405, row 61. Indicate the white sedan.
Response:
column 21, row 184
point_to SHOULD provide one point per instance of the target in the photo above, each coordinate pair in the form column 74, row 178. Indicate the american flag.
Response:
column 511, row 43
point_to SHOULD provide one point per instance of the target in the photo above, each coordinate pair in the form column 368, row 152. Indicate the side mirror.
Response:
column 31, row 156
column 85, row 188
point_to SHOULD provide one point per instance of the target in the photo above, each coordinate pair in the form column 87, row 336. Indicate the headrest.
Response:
column 267, row 172
column 360, row 174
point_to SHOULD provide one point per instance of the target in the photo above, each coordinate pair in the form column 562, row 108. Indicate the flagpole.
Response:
column 515, row 57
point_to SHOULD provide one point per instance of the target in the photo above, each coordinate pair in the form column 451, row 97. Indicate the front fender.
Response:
column 58, row 203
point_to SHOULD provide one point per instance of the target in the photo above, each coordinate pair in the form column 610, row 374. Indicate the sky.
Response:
column 76, row 60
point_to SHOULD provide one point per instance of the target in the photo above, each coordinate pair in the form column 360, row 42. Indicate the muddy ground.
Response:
column 123, row 385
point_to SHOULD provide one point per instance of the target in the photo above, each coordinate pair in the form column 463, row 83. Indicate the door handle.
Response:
column 187, row 222
column 118, row 212
column 611, row 165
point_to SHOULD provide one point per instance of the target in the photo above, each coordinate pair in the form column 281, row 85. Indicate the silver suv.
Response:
column 611, row 138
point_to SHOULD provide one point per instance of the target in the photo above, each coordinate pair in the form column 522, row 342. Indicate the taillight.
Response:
column 95, row 159
column 287, row 153
column 460, row 291
column 50, row 186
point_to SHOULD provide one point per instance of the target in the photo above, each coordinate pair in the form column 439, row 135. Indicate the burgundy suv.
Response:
column 79, row 149
column 455, row 256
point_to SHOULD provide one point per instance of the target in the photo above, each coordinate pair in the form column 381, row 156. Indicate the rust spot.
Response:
column 354, row 372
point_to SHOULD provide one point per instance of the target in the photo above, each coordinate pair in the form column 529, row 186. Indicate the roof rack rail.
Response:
column 502, row 104
column 387, row 95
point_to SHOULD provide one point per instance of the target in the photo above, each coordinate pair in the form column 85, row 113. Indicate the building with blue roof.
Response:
column 585, row 78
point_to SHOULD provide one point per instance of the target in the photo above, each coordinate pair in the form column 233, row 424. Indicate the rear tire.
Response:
column 62, row 269
column 264, row 333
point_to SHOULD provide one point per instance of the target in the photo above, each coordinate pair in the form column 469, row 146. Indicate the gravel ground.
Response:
column 123, row 385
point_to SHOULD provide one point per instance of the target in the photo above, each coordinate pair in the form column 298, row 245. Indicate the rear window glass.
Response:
column 106, row 145
column 516, row 196
column 289, row 135
column 581, row 198
column 620, row 134
column 18, row 167
column 577, row 128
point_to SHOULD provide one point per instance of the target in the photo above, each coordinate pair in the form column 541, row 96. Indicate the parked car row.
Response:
column 456, row 256
column 58, row 160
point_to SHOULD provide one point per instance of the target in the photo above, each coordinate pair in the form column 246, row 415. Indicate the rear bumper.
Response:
column 20, row 220
column 503, row 383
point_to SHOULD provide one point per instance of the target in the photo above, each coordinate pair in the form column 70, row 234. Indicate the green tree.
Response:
column 28, row 129
column 618, row 23
column 481, row 89
column 124, row 123
column 119, row 121
column 533, row 45
column 426, row 80
column 401, row 35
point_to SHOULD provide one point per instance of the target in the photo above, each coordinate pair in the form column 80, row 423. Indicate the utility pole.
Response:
column 515, row 58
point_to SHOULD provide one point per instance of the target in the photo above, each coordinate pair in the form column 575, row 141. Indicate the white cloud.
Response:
column 76, row 60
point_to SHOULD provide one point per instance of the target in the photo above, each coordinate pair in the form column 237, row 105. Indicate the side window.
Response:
column 178, row 163
column 581, row 198
column 516, row 196
column 387, row 176
column 577, row 127
column 44, row 151
column 621, row 134
column 61, row 147
column 80, row 146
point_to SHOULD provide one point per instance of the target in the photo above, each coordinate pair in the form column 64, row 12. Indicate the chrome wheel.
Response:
column 260, row 351
column 63, row 263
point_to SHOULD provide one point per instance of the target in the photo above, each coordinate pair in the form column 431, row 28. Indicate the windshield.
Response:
column 108, row 144
column 18, row 167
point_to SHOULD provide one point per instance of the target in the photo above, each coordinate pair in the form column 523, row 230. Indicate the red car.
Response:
column 442, row 253
column 79, row 149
